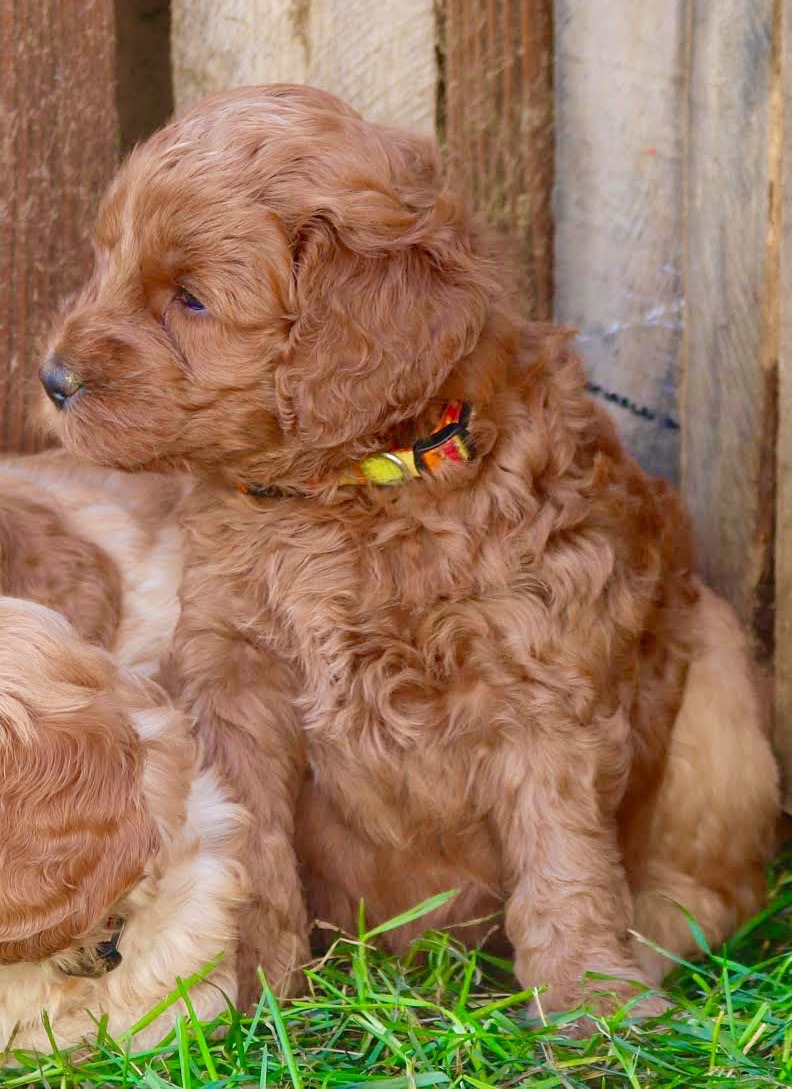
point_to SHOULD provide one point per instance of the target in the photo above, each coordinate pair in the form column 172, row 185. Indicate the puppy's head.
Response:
column 75, row 831
column 277, row 284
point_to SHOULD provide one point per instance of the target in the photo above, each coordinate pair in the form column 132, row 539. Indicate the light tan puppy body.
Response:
column 715, row 806
column 104, row 812
column 131, row 519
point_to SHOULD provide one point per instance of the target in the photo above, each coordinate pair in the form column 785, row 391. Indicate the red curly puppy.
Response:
column 498, row 674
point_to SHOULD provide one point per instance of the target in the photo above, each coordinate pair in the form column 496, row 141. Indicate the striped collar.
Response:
column 450, row 442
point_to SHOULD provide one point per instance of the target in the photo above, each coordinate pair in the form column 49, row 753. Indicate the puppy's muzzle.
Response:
column 58, row 381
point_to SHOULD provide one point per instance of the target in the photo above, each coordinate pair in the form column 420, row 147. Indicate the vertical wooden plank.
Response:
column 236, row 43
column 618, row 207
column 381, row 59
column 498, row 111
column 143, row 68
column 729, row 371
column 59, row 134
column 781, row 135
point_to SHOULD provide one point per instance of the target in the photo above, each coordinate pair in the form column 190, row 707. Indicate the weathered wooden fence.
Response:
column 632, row 155
column 671, row 179
column 58, row 138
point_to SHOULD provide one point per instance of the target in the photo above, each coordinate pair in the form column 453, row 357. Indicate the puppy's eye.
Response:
column 190, row 301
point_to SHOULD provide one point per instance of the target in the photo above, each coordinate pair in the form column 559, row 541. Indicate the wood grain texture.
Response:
column 728, row 388
column 497, row 120
column 381, row 58
column 59, row 131
column 618, row 205
column 781, row 128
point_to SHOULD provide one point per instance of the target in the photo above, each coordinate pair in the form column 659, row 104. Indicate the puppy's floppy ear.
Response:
column 389, row 293
column 75, row 832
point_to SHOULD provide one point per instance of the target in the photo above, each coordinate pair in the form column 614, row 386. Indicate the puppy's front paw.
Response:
column 603, row 997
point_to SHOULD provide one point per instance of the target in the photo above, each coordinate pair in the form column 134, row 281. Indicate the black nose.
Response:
column 58, row 380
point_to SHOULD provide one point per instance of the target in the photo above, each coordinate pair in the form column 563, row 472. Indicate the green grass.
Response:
column 441, row 1016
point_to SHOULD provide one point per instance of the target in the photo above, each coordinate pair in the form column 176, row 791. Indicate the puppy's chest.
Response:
column 367, row 675
column 368, row 658
column 378, row 662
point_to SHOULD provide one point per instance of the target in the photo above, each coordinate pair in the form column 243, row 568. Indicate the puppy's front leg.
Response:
column 569, row 905
column 244, row 702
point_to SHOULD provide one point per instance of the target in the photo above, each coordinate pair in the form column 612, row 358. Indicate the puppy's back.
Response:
column 99, row 546
column 43, row 560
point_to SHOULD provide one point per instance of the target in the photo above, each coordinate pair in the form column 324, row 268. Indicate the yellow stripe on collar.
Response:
column 449, row 442
column 392, row 467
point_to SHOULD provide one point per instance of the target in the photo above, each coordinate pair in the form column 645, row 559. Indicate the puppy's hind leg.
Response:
column 704, row 842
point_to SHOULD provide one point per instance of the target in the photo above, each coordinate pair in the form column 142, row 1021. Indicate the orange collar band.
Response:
column 449, row 442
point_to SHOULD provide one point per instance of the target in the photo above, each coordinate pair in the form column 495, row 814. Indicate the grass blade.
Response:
column 418, row 912
column 280, row 1032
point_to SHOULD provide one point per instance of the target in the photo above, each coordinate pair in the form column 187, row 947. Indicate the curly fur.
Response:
column 100, row 547
column 103, row 812
column 506, row 680
column 103, row 808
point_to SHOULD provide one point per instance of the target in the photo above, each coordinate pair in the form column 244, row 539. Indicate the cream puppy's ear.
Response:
column 75, row 832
